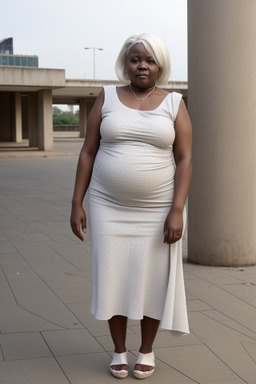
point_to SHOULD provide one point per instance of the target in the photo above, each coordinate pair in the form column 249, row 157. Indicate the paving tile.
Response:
column 6, row 297
column 94, row 369
column 250, row 347
column 10, row 259
column 83, row 313
column 79, row 256
column 19, row 229
column 167, row 374
column 197, row 305
column 190, row 297
column 71, row 342
column 234, row 381
column 251, row 301
column 35, row 237
column 216, row 275
column 236, row 357
column 65, row 240
column 2, row 235
column 7, row 247
column 51, row 228
column 56, row 268
column 53, row 245
column 19, row 346
column 31, row 371
column 89, row 368
column 196, row 362
column 230, row 323
column 17, row 319
column 7, row 219
column 70, row 288
column 208, row 329
column 237, row 351
column 224, row 302
column 34, row 295
column 243, row 290
column 34, row 252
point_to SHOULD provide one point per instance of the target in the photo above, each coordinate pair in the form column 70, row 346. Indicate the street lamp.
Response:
column 94, row 49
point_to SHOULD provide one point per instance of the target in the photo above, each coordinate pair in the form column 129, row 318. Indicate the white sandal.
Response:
column 147, row 359
column 119, row 359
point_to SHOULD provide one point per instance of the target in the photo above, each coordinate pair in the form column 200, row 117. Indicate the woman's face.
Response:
column 141, row 68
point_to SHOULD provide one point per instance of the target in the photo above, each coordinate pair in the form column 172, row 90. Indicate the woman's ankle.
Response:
column 120, row 349
column 145, row 350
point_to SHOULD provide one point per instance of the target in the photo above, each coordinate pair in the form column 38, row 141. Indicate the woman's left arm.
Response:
column 183, row 157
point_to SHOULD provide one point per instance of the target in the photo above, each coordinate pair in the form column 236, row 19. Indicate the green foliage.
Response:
column 65, row 117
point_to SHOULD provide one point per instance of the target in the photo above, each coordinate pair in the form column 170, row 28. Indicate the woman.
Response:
column 136, row 165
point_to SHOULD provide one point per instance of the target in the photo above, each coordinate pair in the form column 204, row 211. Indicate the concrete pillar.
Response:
column 33, row 126
column 222, row 106
column 85, row 108
column 17, row 118
column 82, row 118
column 45, row 133
column 24, row 106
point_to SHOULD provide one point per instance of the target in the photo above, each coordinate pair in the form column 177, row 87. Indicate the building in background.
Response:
column 7, row 58
column 28, row 92
column 6, row 46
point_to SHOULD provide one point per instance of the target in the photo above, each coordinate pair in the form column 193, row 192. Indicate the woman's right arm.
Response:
column 84, row 167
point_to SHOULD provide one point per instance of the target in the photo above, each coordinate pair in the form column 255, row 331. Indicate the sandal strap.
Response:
column 119, row 359
column 146, row 359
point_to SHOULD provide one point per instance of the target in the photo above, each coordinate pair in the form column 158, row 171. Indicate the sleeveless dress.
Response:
column 130, row 194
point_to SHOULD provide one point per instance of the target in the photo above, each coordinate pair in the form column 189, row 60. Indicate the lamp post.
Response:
column 94, row 49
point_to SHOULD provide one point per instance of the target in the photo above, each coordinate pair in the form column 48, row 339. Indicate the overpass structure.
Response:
column 27, row 95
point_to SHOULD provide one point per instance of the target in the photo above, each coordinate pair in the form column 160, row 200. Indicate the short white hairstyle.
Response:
column 155, row 47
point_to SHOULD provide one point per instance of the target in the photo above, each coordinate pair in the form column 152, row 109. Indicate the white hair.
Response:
column 157, row 49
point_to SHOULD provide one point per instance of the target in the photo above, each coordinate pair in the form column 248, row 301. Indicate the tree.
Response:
column 65, row 117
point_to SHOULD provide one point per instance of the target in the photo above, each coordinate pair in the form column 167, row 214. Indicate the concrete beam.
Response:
column 13, row 78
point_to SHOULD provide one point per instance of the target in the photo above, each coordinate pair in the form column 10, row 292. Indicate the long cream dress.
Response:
column 130, row 194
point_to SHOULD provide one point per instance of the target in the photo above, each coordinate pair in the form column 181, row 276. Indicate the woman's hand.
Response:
column 173, row 226
column 78, row 221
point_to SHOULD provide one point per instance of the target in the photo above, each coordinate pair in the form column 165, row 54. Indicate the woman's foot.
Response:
column 145, row 365
column 119, row 366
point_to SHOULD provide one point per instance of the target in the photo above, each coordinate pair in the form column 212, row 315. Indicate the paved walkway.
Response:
column 47, row 334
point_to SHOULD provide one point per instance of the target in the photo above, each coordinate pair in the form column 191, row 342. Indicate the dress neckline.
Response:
column 140, row 110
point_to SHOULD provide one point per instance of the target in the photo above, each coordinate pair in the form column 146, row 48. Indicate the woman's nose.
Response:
column 143, row 65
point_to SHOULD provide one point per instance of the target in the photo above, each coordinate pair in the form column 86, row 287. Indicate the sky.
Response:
column 58, row 31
